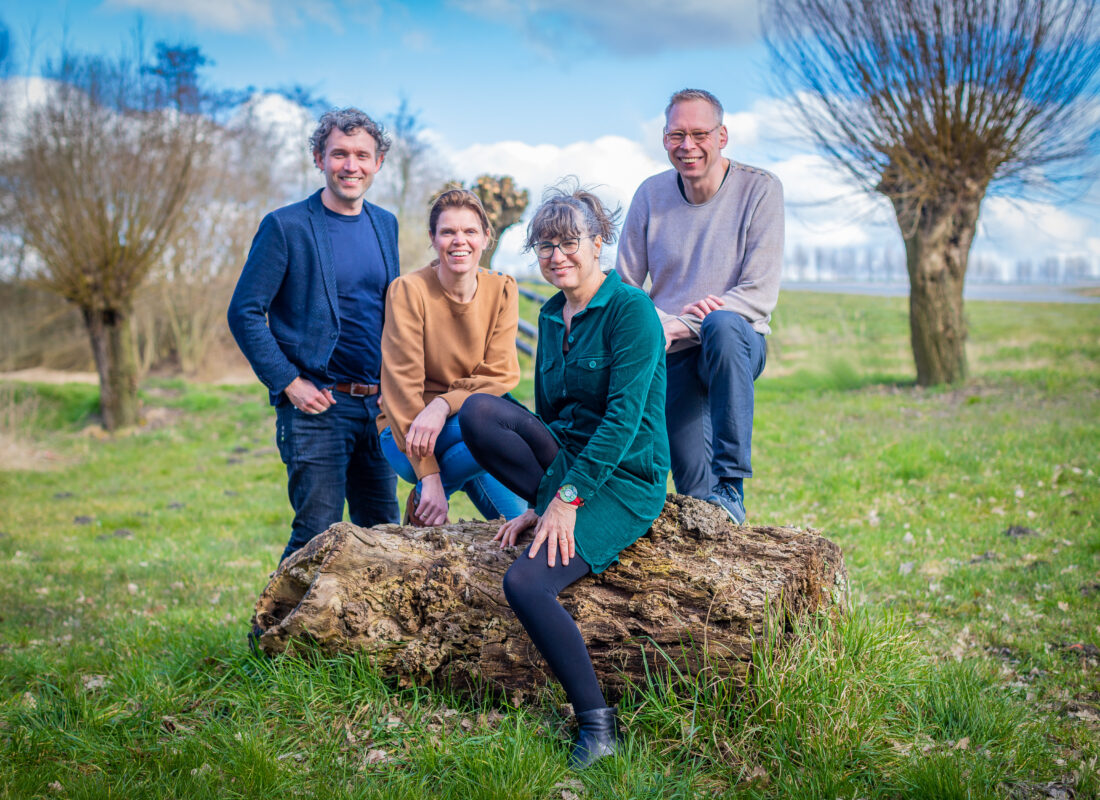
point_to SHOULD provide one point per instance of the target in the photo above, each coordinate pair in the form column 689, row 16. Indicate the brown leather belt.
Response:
column 357, row 389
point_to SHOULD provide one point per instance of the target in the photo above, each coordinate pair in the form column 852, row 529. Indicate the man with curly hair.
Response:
column 307, row 313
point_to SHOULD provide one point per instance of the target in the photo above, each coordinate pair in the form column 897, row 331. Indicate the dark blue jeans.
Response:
column 332, row 456
column 709, row 403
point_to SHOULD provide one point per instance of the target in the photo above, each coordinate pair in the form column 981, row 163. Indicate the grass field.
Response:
column 968, row 667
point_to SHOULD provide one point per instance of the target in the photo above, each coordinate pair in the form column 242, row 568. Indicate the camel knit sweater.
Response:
column 730, row 246
column 433, row 346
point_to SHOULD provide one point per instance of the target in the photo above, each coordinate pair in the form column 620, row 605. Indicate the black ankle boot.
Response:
column 597, row 736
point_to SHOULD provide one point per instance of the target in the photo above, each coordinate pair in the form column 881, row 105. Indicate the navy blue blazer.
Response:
column 285, row 313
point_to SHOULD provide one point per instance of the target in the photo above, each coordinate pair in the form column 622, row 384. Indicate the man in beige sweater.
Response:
column 708, row 234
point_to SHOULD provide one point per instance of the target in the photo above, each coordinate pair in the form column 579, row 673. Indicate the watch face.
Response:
column 568, row 493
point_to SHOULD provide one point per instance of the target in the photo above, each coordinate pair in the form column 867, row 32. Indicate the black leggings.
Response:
column 515, row 447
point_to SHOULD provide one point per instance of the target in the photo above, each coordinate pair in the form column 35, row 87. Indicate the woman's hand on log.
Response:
column 432, row 509
column 556, row 529
column 425, row 428
column 511, row 530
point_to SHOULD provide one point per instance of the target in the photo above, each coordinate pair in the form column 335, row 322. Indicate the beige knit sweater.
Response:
column 730, row 246
column 433, row 346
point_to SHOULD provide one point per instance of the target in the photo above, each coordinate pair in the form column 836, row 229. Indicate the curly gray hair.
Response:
column 347, row 120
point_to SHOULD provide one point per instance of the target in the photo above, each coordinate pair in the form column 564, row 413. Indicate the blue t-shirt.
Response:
column 361, row 288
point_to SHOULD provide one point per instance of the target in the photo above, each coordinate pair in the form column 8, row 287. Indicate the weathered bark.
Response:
column 938, row 235
column 427, row 604
column 112, row 338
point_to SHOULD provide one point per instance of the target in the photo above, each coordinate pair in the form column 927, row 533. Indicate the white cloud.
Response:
column 636, row 27
column 250, row 15
column 20, row 96
column 744, row 130
column 614, row 165
column 1021, row 229
column 228, row 15
column 1006, row 219
column 823, row 210
column 290, row 126
column 826, row 209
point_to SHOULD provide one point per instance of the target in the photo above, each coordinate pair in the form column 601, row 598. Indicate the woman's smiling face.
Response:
column 459, row 240
column 574, row 270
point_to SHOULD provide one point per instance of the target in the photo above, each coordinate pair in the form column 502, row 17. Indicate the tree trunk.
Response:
column 112, row 340
column 427, row 604
column 938, row 235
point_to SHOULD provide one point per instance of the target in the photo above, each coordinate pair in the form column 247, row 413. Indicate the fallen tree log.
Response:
column 427, row 603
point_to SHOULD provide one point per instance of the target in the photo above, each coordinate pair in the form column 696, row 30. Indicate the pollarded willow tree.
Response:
column 932, row 103
column 100, row 178
column 504, row 204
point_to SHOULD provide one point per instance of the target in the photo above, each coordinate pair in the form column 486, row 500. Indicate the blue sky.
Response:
column 500, row 69
column 536, row 89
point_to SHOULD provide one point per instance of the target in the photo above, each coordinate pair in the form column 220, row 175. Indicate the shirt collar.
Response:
column 555, row 304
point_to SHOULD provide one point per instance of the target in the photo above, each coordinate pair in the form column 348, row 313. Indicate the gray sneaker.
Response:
column 729, row 499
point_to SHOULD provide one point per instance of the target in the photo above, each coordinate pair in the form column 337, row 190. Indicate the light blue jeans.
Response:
column 458, row 470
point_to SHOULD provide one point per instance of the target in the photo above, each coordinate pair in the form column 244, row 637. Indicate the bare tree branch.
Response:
column 101, row 180
column 932, row 103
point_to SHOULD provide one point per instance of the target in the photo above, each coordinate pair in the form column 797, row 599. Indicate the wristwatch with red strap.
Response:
column 567, row 493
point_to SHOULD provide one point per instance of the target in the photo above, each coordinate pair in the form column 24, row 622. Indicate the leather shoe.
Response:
column 597, row 736
column 254, row 641
column 409, row 517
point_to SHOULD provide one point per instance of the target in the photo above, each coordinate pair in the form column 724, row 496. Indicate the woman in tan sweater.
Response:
column 450, row 331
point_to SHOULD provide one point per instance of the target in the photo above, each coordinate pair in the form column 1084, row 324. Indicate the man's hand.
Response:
column 511, row 529
column 556, row 529
column 674, row 331
column 700, row 308
column 307, row 398
column 432, row 509
column 425, row 428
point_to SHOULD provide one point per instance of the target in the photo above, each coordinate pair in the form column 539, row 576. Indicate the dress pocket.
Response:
column 590, row 376
column 640, row 464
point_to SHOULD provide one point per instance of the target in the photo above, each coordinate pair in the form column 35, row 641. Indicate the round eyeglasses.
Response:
column 567, row 246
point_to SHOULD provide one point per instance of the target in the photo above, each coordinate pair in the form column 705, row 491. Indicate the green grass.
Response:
column 963, row 670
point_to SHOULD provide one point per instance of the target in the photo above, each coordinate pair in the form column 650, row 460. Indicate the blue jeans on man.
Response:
column 330, row 456
column 709, row 404
column 458, row 470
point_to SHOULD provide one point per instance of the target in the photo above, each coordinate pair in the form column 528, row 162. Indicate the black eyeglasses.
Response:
column 567, row 246
column 699, row 137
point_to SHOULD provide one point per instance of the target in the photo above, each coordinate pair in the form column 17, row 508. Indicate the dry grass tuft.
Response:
column 18, row 450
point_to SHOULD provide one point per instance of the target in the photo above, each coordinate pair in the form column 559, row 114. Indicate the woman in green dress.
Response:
column 593, row 459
